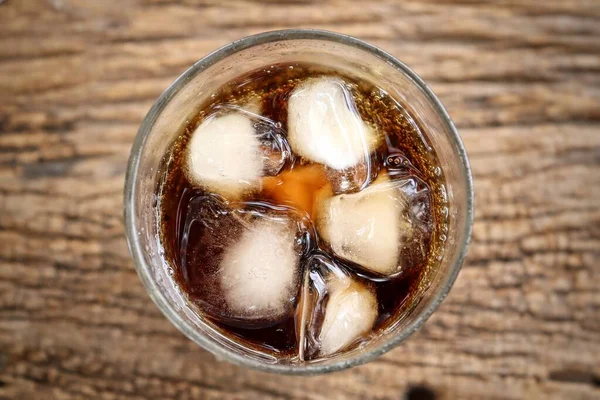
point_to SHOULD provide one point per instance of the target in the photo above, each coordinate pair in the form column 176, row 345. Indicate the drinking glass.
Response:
column 181, row 101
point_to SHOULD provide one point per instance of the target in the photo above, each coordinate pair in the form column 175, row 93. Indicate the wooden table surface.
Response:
column 520, row 79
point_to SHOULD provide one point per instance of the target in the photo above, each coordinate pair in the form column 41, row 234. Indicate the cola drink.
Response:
column 300, row 210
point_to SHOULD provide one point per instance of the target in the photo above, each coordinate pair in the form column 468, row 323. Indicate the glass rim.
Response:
column 137, row 252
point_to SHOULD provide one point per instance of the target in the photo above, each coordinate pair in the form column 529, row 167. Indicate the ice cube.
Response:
column 274, row 148
column 325, row 127
column 336, row 309
column 224, row 155
column 259, row 273
column 232, row 149
column 383, row 228
column 351, row 312
column 241, row 264
column 355, row 178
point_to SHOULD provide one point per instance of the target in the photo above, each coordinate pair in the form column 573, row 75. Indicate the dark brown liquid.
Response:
column 405, row 149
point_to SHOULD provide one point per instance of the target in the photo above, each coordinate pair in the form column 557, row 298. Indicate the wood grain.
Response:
column 522, row 82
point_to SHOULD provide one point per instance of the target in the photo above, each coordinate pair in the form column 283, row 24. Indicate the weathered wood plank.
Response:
column 520, row 79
